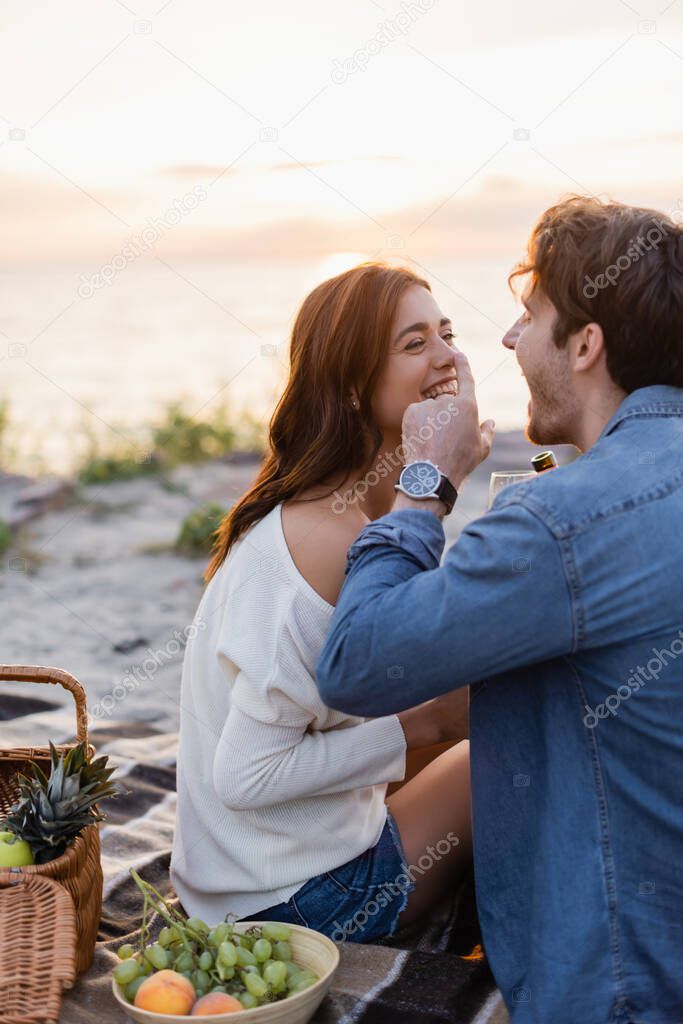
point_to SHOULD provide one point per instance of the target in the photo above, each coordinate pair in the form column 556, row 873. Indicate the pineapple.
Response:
column 51, row 812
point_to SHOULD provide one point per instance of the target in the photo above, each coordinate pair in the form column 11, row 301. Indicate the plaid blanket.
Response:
column 433, row 971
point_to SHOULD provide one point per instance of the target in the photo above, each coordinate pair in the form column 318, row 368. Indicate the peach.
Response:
column 216, row 1002
column 166, row 992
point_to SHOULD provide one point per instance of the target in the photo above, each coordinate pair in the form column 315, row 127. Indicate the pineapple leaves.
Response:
column 51, row 812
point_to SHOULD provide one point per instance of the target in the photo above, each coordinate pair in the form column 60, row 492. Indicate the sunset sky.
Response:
column 447, row 124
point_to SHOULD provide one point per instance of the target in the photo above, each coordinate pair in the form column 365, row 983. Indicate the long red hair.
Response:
column 340, row 340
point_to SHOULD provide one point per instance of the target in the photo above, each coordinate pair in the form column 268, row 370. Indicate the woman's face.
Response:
column 421, row 355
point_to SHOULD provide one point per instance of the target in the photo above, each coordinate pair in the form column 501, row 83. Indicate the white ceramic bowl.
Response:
column 309, row 949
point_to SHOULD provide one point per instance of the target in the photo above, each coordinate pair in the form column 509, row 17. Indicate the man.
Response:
column 563, row 607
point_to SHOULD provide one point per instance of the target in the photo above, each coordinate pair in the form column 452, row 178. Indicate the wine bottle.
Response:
column 544, row 461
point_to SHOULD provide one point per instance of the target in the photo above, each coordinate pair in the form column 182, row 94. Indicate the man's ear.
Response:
column 588, row 347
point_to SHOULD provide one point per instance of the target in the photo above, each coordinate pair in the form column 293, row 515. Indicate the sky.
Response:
column 423, row 126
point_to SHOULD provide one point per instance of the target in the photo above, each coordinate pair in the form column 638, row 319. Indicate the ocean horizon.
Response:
column 80, row 360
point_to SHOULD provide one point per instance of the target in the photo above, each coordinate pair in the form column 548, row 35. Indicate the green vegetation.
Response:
column 181, row 438
column 117, row 464
column 197, row 529
column 5, row 536
column 178, row 438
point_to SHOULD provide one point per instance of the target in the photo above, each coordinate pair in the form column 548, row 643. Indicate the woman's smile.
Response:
column 449, row 386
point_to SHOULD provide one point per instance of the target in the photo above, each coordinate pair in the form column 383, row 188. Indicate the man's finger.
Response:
column 465, row 376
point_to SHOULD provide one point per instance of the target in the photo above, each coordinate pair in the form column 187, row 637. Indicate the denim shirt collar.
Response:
column 660, row 399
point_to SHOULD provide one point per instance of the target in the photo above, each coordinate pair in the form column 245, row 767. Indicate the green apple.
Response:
column 14, row 852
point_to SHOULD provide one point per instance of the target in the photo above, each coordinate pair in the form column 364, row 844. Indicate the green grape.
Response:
column 307, row 972
column 219, row 988
column 164, row 937
column 201, row 979
column 225, row 973
column 282, row 951
column 227, row 954
column 206, row 961
column 187, row 974
column 184, row 961
column 197, row 925
column 221, row 932
column 255, row 984
column 157, row 956
column 127, row 971
column 275, row 973
column 132, row 988
column 247, row 1000
column 291, row 968
column 262, row 950
column 246, row 941
column 145, row 965
column 299, row 982
column 175, row 934
column 276, row 932
column 125, row 951
column 245, row 957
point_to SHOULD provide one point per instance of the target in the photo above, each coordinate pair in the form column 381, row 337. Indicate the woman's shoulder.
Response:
column 254, row 561
column 318, row 539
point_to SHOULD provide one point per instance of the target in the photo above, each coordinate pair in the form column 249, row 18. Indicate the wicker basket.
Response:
column 79, row 869
column 37, row 947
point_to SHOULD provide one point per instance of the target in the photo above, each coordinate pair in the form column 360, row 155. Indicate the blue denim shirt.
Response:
column 563, row 606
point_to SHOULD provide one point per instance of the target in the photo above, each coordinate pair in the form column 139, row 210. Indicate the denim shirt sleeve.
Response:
column 406, row 629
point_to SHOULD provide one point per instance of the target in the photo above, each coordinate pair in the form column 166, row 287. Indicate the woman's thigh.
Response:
column 433, row 814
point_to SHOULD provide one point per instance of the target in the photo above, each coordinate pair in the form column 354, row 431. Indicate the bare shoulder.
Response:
column 318, row 539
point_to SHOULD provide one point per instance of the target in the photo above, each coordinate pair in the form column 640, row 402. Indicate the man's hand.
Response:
column 446, row 430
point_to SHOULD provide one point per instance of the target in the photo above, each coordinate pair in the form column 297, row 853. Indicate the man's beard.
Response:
column 548, row 414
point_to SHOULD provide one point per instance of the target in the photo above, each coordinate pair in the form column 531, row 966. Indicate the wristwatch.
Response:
column 423, row 479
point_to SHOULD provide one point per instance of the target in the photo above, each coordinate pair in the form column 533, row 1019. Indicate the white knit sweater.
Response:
column 273, row 786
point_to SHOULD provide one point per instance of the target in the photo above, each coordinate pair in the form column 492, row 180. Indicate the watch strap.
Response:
column 447, row 493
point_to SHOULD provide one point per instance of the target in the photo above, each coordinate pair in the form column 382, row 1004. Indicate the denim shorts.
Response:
column 358, row 902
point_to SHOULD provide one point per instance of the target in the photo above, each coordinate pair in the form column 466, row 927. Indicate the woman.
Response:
column 282, row 808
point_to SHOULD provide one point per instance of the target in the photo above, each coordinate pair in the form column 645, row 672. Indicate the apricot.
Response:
column 165, row 992
column 216, row 1002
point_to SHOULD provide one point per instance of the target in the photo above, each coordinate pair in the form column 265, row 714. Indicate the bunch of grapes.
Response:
column 254, row 966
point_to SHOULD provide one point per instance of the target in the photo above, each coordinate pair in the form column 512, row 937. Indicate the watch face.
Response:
column 420, row 478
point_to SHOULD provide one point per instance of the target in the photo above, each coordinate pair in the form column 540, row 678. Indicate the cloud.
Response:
column 45, row 221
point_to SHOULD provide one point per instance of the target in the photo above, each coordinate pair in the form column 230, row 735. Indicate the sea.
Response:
column 80, row 362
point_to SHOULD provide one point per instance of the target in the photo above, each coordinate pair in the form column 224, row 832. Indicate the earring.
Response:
column 355, row 403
